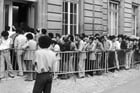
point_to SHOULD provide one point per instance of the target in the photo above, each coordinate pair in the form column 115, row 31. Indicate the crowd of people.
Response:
column 18, row 50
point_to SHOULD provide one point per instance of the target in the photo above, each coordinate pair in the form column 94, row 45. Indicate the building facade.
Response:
column 73, row 16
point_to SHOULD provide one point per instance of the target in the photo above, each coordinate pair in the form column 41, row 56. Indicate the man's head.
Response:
column 29, row 36
column 7, row 28
column 44, row 31
column 114, row 38
column 58, row 36
column 44, row 42
column 5, row 34
column 51, row 35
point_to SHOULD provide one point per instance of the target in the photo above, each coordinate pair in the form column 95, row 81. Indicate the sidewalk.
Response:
column 95, row 84
column 130, row 87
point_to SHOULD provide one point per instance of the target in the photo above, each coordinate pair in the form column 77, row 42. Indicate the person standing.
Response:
column 20, row 40
column 82, row 56
column 115, row 47
column 29, row 47
column 5, row 45
column 44, row 60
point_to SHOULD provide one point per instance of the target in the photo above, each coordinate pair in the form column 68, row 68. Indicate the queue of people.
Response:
column 18, row 51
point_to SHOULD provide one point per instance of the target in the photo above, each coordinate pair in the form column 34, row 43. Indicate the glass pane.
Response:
column 75, row 32
column 71, row 7
column 6, row 15
column 66, row 29
column 75, row 19
column 71, row 18
column 66, row 18
column 66, row 7
column 75, row 8
column 71, row 29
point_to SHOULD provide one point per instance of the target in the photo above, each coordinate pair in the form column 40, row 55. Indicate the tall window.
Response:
column 70, row 17
column 113, row 15
column 134, row 19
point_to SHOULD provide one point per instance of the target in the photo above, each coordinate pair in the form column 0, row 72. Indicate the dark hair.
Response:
column 92, row 38
column 71, row 38
column 44, row 41
column 58, row 35
column 43, row 31
column 97, row 35
column 98, row 38
column 29, row 36
column 83, row 35
column 113, row 37
column 7, row 28
column 4, row 33
column 53, row 42
column 51, row 35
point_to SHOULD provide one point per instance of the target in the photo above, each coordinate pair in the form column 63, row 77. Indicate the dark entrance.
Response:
column 20, row 14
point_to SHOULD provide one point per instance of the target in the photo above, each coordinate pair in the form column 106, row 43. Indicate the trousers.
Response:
column 5, row 58
column 43, row 83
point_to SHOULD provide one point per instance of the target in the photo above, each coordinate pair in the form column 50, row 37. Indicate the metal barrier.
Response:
column 20, row 62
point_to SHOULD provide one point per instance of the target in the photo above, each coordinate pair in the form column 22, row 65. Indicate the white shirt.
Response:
column 5, row 44
column 82, row 45
column 44, row 59
column 115, row 45
column 30, row 45
column 20, row 40
column 107, row 45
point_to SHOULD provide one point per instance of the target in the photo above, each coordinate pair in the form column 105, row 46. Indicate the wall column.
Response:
column 1, row 15
column 42, row 13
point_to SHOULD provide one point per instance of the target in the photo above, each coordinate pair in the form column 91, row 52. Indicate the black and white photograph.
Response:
column 69, row 46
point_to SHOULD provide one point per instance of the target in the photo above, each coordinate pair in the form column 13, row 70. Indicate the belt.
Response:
column 4, row 51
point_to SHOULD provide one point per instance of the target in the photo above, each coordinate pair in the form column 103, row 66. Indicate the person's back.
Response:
column 44, row 60
column 20, row 40
column 32, row 44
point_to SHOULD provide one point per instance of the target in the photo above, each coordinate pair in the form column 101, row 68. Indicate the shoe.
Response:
column 11, row 75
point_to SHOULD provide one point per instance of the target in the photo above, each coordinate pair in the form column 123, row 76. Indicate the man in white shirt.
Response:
column 44, row 62
column 5, row 45
column 107, row 43
column 82, row 56
column 20, row 40
column 115, row 43
column 115, row 46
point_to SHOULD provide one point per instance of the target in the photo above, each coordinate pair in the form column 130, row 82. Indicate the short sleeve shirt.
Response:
column 44, row 59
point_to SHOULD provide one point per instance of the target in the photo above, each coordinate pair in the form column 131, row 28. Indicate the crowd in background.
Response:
column 18, row 47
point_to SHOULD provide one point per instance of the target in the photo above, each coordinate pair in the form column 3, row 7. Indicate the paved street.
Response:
column 130, row 87
column 128, row 81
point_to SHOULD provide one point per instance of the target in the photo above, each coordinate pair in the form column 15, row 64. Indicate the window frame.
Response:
column 135, row 22
column 113, row 29
column 76, row 13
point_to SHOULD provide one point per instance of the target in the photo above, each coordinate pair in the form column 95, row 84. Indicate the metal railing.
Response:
column 71, row 62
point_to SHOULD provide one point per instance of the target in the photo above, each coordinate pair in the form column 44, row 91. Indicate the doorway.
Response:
column 20, row 14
